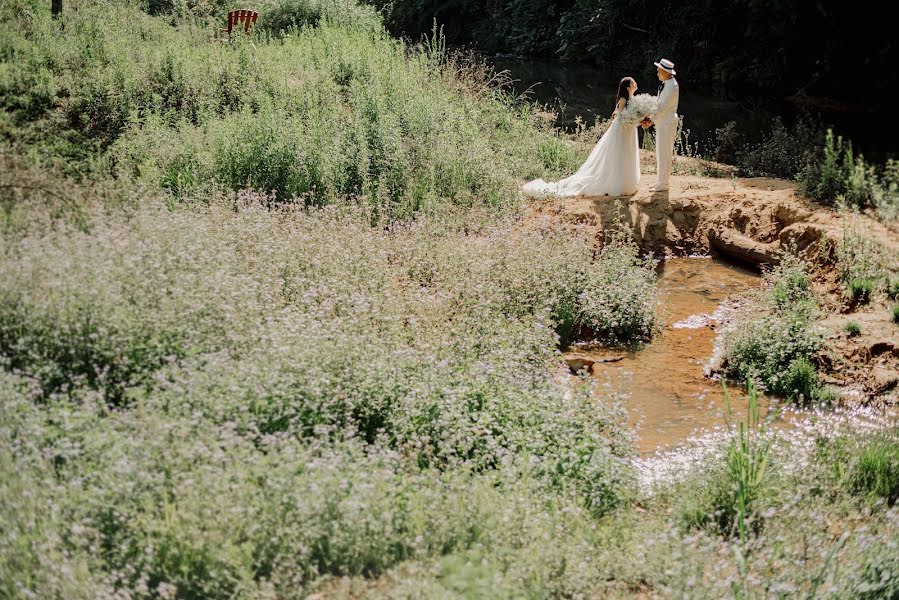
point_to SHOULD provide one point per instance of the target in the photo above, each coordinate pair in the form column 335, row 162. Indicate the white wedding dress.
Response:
column 612, row 169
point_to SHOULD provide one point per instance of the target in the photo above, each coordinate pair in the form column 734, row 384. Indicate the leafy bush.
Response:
column 893, row 290
column 619, row 300
column 278, row 392
column 781, row 152
column 886, row 195
column 839, row 177
column 107, row 310
column 860, row 289
column 775, row 341
column 359, row 426
column 284, row 15
column 825, row 180
column 181, row 506
column 800, row 381
column 168, row 303
column 728, row 142
column 852, row 329
column 790, row 283
column 825, row 394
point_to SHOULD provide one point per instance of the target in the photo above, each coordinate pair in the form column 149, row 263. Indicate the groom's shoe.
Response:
column 656, row 187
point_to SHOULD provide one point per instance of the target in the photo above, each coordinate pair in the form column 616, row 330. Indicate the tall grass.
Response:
column 738, row 484
column 875, row 473
column 747, row 461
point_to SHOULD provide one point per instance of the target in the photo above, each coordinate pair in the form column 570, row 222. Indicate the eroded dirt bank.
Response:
column 752, row 221
column 747, row 219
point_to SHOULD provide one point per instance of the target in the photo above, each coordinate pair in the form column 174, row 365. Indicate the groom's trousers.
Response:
column 664, row 152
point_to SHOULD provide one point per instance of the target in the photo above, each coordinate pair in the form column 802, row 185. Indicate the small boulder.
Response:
column 883, row 379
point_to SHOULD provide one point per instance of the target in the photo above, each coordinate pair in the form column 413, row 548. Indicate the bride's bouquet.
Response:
column 638, row 108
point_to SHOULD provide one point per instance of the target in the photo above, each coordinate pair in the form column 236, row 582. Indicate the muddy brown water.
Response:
column 671, row 400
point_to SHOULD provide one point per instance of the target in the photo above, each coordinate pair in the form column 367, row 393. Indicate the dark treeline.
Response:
column 840, row 51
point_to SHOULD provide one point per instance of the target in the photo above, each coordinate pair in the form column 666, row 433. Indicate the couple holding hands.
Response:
column 613, row 166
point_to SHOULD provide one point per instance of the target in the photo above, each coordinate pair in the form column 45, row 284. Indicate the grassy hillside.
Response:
column 313, row 113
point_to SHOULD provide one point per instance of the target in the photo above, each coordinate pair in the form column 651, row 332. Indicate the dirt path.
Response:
column 752, row 220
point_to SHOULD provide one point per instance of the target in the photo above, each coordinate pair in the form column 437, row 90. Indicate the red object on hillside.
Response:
column 247, row 17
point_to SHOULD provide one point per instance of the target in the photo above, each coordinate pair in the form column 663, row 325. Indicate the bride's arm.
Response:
column 618, row 107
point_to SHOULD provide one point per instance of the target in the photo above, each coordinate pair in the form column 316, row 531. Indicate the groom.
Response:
column 665, row 120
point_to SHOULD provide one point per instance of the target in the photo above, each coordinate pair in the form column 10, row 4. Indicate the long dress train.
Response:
column 612, row 169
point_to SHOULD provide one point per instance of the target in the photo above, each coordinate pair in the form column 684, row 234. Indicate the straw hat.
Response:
column 665, row 65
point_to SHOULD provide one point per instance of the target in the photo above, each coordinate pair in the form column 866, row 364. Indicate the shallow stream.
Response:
column 670, row 398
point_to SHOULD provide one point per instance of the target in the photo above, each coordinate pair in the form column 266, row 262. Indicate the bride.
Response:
column 613, row 167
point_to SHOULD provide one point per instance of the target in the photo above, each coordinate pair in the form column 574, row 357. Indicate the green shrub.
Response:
column 886, row 199
column 825, row 394
column 774, row 342
column 800, row 381
column 860, row 289
column 825, row 179
column 837, row 176
column 121, row 307
column 728, row 141
column 852, row 329
column 160, row 297
column 282, row 16
column 896, row 313
column 893, row 290
column 859, row 265
column 791, row 284
column 861, row 182
column 781, row 152
column 268, row 449
column 618, row 303
column 774, row 350
column 555, row 155
column 335, row 109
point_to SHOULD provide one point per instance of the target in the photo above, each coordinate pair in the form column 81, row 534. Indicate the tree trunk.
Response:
column 56, row 8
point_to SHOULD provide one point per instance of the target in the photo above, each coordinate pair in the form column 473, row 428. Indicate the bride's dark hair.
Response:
column 622, row 90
